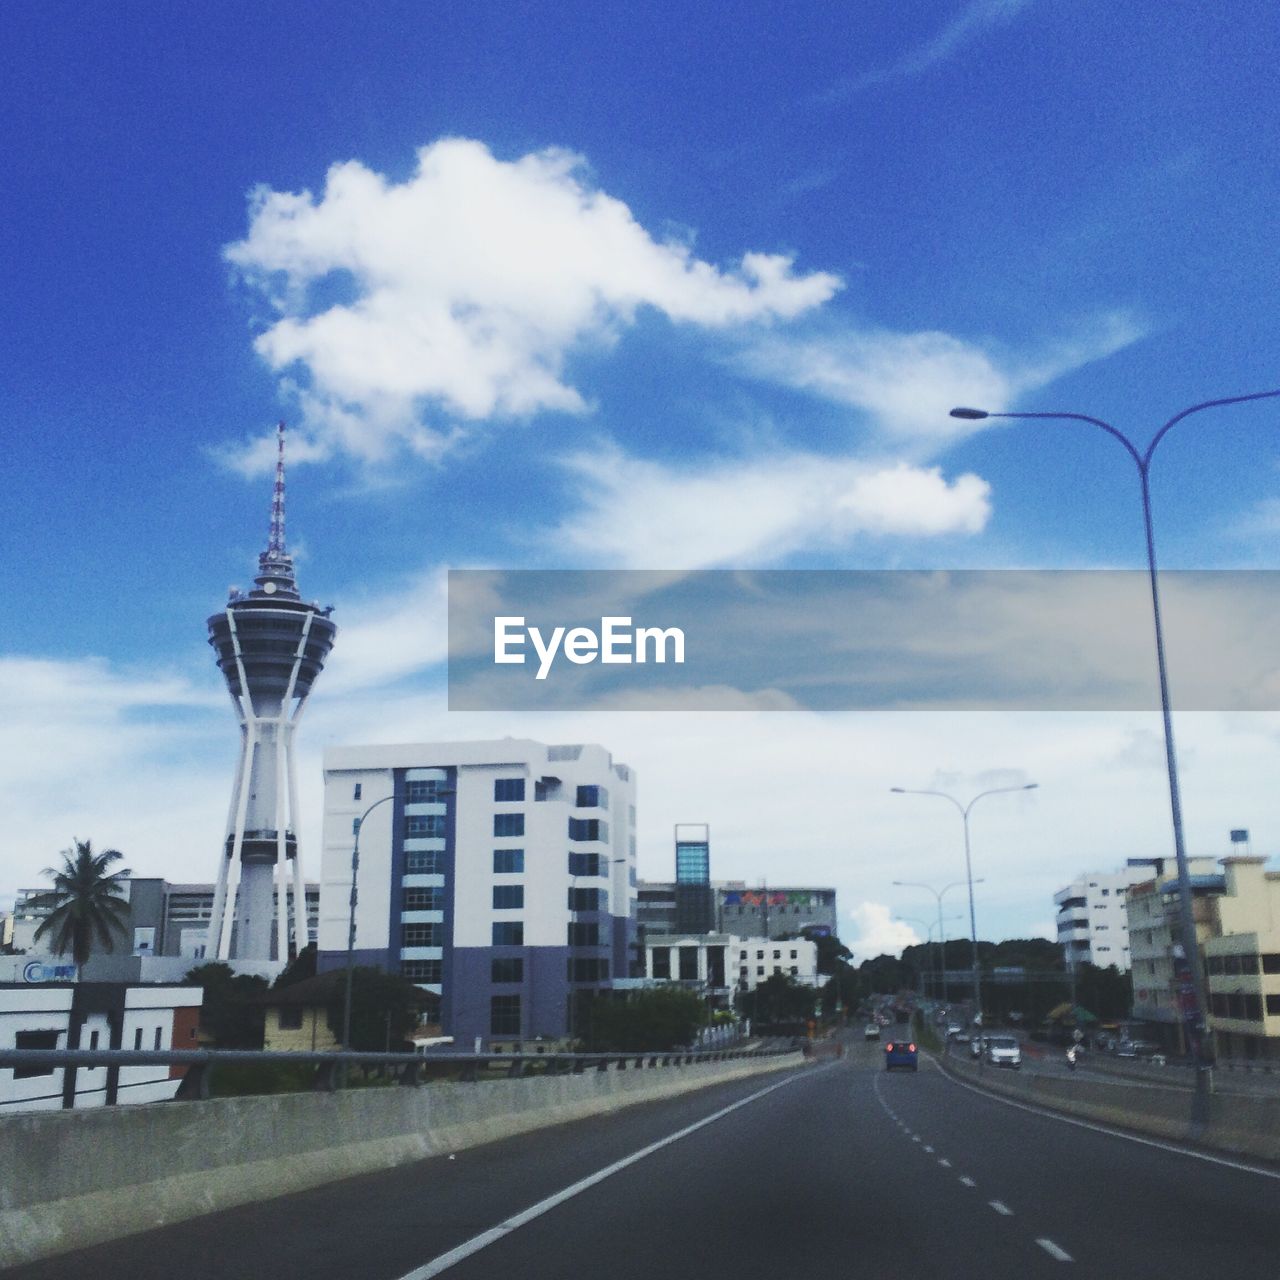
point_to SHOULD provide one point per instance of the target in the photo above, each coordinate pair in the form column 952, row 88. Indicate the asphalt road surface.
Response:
column 837, row 1169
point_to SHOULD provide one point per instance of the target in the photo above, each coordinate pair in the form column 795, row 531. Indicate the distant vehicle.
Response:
column 1136, row 1049
column 901, row 1053
column 956, row 1032
column 1004, row 1051
column 871, row 1031
column 976, row 1046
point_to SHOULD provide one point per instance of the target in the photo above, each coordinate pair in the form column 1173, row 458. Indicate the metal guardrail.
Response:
column 407, row 1067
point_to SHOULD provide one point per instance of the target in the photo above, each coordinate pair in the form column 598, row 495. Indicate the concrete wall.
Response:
column 1240, row 1125
column 76, row 1178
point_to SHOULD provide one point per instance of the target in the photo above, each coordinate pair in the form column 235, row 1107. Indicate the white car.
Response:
column 871, row 1031
column 1004, row 1051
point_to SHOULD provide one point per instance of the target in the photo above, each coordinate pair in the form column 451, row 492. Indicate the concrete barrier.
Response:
column 1238, row 1124
column 69, row 1179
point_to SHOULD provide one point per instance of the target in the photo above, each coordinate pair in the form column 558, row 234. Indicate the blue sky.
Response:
column 594, row 285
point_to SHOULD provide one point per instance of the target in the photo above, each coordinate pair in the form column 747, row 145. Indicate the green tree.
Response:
column 299, row 969
column 86, row 906
column 385, row 1008
column 651, row 1021
column 229, row 1014
column 779, row 998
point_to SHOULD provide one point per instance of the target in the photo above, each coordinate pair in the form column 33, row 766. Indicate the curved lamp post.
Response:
column 968, row 872
column 1190, row 977
column 942, row 934
column 351, row 923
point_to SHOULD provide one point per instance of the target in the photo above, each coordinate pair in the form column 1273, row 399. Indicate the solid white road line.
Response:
column 446, row 1260
column 1053, row 1251
column 1117, row 1133
column 1001, row 1208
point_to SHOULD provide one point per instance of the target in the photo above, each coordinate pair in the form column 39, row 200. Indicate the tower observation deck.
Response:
column 271, row 646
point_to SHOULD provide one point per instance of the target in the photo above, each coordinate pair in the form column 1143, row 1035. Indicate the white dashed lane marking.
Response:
column 1001, row 1208
column 968, row 1182
column 946, row 1164
column 1053, row 1251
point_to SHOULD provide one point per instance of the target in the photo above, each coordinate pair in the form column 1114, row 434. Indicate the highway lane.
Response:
column 840, row 1169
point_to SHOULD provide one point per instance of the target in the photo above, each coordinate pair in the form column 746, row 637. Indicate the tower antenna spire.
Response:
column 275, row 542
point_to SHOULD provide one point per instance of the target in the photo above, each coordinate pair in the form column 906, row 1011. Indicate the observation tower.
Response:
column 271, row 645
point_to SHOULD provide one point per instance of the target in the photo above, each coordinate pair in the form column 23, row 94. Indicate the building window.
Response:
column 688, row 964
column 419, row 899
column 508, row 933
column 777, row 955
column 587, row 969
column 540, row 789
column 422, row 935
column 584, row 935
column 428, row 862
column 424, row 791
column 137, row 1038
column 355, row 791
column 507, row 969
column 508, row 790
column 794, row 969
column 93, row 1040
column 1271, row 963
column 508, row 824
column 422, row 970
column 1273, row 1006
column 508, row 862
column 159, row 1036
column 661, row 962
column 586, row 864
column 504, row 1015
column 291, row 1019
column 420, row 825
column 759, row 971
column 508, row 897
column 592, row 798
column 34, row 1040
column 588, row 829
column 588, row 900
column 794, row 956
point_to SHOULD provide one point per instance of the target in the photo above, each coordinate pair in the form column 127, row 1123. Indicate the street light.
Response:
column 942, row 936
column 351, row 923
column 1187, row 966
column 928, row 928
column 968, row 874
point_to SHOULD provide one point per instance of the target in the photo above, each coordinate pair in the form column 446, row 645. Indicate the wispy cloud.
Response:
column 650, row 515
column 970, row 24
column 906, row 383
column 462, row 292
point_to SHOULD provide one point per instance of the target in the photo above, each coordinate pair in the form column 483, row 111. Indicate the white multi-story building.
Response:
column 499, row 875
column 1093, row 927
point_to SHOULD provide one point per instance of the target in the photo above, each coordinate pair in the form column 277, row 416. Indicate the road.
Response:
column 836, row 1169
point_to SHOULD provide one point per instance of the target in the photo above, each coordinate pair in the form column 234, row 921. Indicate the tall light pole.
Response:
column 942, row 935
column 928, row 928
column 1187, row 966
column 965, row 810
column 351, row 923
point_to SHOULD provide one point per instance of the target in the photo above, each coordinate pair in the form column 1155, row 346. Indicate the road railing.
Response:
column 409, row 1069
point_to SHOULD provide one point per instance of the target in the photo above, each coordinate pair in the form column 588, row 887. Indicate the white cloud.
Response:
column 463, row 290
column 638, row 514
column 877, row 932
column 974, row 20
column 907, row 383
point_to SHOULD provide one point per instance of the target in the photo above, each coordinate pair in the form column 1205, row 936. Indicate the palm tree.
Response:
column 85, row 903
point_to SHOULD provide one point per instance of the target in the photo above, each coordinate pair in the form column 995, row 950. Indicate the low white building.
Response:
column 720, row 963
column 39, row 1013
